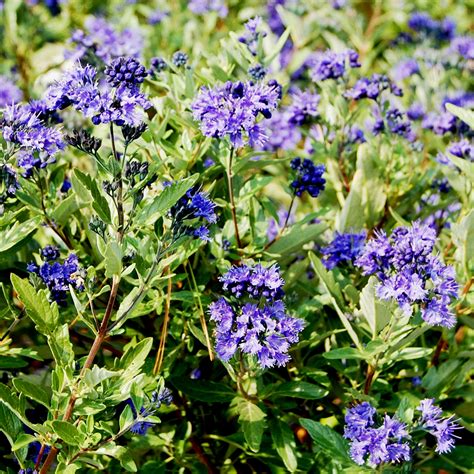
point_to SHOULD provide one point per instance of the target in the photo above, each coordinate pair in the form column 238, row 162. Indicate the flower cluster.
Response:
column 8, row 184
column 387, row 443
column 232, row 110
column 37, row 143
column 103, row 42
column 405, row 68
column 81, row 89
column 201, row 7
column 371, row 87
column 141, row 425
column 253, row 34
column 440, row 427
column 58, row 276
column 192, row 214
column 254, row 318
column 9, row 93
column 330, row 65
column 344, row 248
column 390, row 441
column 427, row 27
column 309, row 177
column 410, row 274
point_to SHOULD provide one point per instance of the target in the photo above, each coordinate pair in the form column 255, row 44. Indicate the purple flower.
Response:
column 275, row 227
column 253, row 34
column 103, row 41
column 410, row 274
column 427, row 27
column 157, row 65
column 464, row 46
column 9, row 92
column 416, row 111
column 331, row 65
column 309, row 177
column 125, row 71
column 49, row 253
column 8, row 183
column 387, row 443
column 257, row 72
column 192, row 214
column 232, row 110
column 304, row 106
column 282, row 134
column 405, row 68
column 58, row 276
column 441, row 428
column 157, row 16
column 179, row 59
column 264, row 331
column 372, row 87
column 344, row 248
column 201, row 7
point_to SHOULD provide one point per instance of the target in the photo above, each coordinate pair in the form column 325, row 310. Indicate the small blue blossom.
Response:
column 344, row 248
column 371, row 87
column 157, row 65
column 201, row 7
column 309, row 177
column 49, row 253
column 405, row 68
column 253, row 34
column 427, row 27
column 126, row 71
column 303, row 107
column 179, row 59
column 281, row 133
column 330, row 65
column 463, row 46
column 8, row 183
column 257, row 72
column 9, row 93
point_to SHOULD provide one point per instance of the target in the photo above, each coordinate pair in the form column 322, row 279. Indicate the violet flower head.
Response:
column 309, row 177
column 274, row 227
column 416, row 111
column 463, row 46
column 126, row 71
column 232, row 110
column 9, row 93
column 192, row 215
column 372, row 445
column 371, row 87
column 410, row 274
column 253, row 34
column 303, row 107
column 257, row 72
column 406, row 68
column 442, row 428
column 58, row 276
column 344, row 249
column 281, row 132
column 201, row 7
column 254, row 319
column 427, row 27
column 330, row 65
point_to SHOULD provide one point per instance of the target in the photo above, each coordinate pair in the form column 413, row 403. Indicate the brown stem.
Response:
column 89, row 361
column 369, row 379
column 231, row 196
column 164, row 330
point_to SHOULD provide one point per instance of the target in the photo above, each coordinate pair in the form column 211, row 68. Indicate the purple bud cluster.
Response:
column 427, row 27
column 201, row 7
column 9, row 93
column 232, row 110
column 253, row 34
column 126, row 71
column 253, row 318
column 344, row 249
column 192, row 214
column 141, row 425
column 58, row 276
column 330, row 65
column 410, row 274
column 371, row 87
column 309, row 177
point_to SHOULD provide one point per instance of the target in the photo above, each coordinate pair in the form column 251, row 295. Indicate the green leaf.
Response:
column 135, row 356
column 284, row 442
column 113, row 259
column 376, row 312
column 351, row 216
column 99, row 202
column 305, row 390
column 61, row 346
column 23, row 440
column 166, row 200
column 65, row 209
column 463, row 237
column 126, row 418
column 44, row 314
column 295, row 238
column 11, row 238
column 204, row 391
column 67, row 432
column 120, row 453
column 465, row 115
column 252, row 420
column 344, row 353
column 327, row 440
column 32, row 390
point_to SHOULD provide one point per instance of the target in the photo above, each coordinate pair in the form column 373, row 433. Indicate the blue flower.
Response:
column 330, row 65
column 252, row 35
column 309, row 177
column 344, row 248
column 371, row 87
column 200, row 7
column 9, row 92
column 126, row 71
column 50, row 252
column 179, row 59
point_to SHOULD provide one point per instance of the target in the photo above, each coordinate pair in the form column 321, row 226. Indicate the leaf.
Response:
column 252, row 420
column 38, row 308
column 463, row 237
column 126, row 417
column 305, row 390
column 376, row 312
column 351, row 216
column 327, row 440
column 295, row 238
column 344, row 353
column 23, row 440
column 32, row 390
column 17, row 233
column 65, row 209
column 284, row 442
column 135, row 356
column 113, row 259
column 465, row 115
column 67, row 432
column 166, row 200
column 99, row 202
column 203, row 390
column 120, row 453
column 97, row 374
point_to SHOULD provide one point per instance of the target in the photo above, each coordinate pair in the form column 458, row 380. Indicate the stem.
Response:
column 280, row 232
column 99, row 339
column 231, row 196
column 119, row 188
